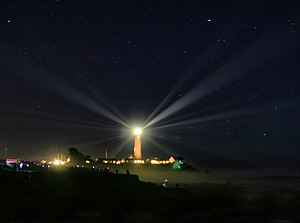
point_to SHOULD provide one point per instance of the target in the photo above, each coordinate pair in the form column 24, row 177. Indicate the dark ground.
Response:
column 89, row 196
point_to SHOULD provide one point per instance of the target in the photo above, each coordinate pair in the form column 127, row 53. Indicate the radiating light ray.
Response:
column 121, row 146
column 264, row 108
column 162, row 148
column 177, row 119
column 200, row 62
column 90, row 118
column 210, row 118
column 262, row 51
column 182, row 145
column 96, row 141
column 81, row 99
column 60, row 87
column 61, row 120
column 76, row 122
column 190, row 145
column 110, row 106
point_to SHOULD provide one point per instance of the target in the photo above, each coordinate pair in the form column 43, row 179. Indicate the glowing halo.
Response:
column 137, row 131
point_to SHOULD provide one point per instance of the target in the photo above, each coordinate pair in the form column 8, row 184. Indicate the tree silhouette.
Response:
column 76, row 156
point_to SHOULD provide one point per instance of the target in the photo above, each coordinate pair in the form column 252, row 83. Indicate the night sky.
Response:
column 214, row 81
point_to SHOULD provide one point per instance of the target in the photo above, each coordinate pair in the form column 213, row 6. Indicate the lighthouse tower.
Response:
column 137, row 143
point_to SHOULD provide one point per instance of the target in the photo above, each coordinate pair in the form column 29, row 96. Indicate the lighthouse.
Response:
column 137, row 151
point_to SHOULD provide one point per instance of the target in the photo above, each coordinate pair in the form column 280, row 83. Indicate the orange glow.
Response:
column 137, row 147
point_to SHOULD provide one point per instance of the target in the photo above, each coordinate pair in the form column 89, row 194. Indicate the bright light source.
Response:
column 56, row 162
column 137, row 131
column 154, row 162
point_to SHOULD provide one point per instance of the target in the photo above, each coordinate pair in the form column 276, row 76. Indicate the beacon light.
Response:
column 137, row 131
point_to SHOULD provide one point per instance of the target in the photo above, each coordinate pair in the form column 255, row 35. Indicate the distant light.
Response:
column 165, row 183
column 56, row 162
column 137, row 131
column 138, row 161
column 87, row 161
column 154, row 162
column 68, row 160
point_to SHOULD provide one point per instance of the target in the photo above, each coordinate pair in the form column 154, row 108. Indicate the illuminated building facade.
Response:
column 157, row 161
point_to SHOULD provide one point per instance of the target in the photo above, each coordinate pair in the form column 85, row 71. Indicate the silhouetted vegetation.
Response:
column 76, row 156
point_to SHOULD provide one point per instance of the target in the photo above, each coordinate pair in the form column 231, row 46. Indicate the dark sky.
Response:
column 223, row 77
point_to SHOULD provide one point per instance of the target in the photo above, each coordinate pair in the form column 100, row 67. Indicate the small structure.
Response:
column 12, row 162
column 177, row 162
